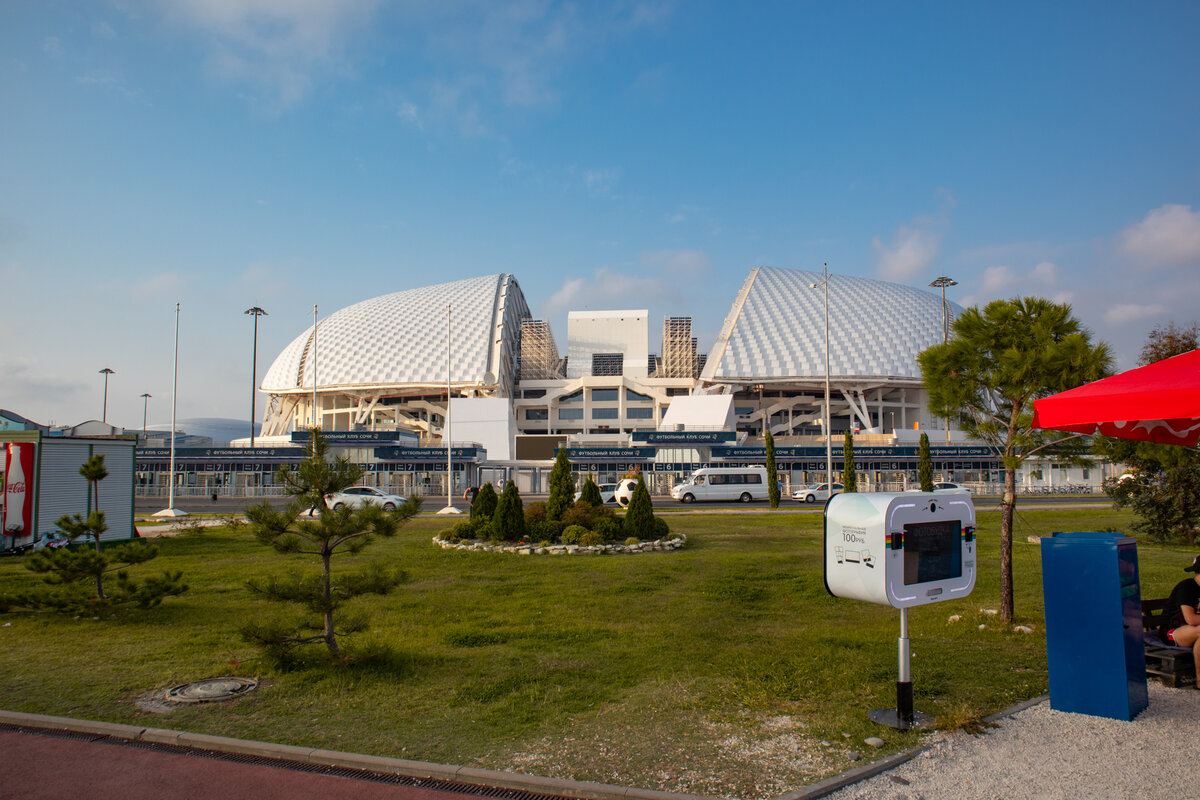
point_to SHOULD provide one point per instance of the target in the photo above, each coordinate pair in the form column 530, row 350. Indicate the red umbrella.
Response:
column 1159, row 402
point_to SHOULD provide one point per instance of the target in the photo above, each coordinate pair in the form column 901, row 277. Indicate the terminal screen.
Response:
column 932, row 551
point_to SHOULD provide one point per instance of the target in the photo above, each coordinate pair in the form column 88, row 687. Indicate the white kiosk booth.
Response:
column 900, row 549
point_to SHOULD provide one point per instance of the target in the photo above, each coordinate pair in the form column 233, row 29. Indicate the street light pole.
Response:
column 255, row 312
column 105, row 372
column 145, row 405
column 449, row 509
column 942, row 283
column 314, row 354
column 828, row 435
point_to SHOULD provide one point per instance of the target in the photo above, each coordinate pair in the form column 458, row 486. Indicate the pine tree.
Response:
column 562, row 488
column 772, row 480
column 508, row 523
column 94, row 471
column 925, row 464
column 639, row 517
column 591, row 493
column 485, row 503
column 1001, row 359
column 345, row 530
column 68, row 568
column 849, row 476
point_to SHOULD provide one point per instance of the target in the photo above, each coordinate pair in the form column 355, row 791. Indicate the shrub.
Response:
column 573, row 533
column 591, row 539
column 581, row 514
column 661, row 529
column 535, row 512
column 544, row 530
column 481, row 527
column 609, row 527
column 632, row 540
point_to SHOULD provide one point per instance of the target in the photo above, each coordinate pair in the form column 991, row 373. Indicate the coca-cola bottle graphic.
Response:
column 14, row 494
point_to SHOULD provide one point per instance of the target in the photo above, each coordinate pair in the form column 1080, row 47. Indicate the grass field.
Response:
column 722, row 669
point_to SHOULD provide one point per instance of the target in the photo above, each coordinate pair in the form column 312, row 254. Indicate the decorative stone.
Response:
column 874, row 741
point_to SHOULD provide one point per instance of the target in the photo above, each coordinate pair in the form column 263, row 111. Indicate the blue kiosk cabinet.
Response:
column 1094, row 647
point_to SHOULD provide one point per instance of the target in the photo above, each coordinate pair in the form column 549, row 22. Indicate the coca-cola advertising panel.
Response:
column 18, row 489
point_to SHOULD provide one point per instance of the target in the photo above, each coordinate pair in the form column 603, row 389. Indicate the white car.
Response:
column 357, row 496
column 811, row 494
column 607, row 490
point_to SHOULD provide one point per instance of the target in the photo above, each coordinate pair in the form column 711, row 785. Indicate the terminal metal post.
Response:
column 902, row 717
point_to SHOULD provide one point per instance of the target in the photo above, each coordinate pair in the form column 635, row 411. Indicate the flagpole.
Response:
column 170, row 510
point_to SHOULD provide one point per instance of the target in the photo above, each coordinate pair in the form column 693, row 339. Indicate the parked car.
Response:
column 607, row 490
column 811, row 494
column 357, row 496
column 945, row 486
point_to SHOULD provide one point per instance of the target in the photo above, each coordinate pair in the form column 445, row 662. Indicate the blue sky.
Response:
column 224, row 154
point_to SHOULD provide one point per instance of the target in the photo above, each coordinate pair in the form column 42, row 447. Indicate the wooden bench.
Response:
column 1171, row 664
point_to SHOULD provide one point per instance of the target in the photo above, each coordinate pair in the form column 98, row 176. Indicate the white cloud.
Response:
column 163, row 286
column 687, row 265
column 491, row 57
column 665, row 277
column 1168, row 235
column 601, row 181
column 1001, row 280
column 607, row 289
column 274, row 46
column 1133, row 312
column 910, row 252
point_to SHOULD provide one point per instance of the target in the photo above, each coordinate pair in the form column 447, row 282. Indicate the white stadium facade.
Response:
column 376, row 377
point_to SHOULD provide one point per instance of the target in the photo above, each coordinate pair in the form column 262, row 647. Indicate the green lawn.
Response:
column 724, row 668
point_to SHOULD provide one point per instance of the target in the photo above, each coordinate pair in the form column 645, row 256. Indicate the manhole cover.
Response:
column 211, row 689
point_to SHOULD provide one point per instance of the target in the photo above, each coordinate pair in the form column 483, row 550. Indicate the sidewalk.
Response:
column 43, row 757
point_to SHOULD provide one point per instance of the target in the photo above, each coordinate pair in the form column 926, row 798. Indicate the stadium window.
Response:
column 639, row 413
column 637, row 397
column 537, row 414
column 570, row 413
column 604, row 413
column 603, row 395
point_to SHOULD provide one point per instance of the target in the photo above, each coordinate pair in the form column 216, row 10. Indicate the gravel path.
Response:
column 1041, row 753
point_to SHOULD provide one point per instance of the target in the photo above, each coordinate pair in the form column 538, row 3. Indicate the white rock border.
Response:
column 674, row 543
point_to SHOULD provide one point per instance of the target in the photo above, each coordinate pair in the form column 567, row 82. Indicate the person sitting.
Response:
column 1182, row 615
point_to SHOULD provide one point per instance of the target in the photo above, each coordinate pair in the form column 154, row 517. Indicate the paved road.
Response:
column 34, row 766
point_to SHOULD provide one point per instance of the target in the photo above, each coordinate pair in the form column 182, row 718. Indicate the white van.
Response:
column 723, row 483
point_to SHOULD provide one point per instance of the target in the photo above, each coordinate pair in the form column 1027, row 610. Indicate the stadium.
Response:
column 377, row 377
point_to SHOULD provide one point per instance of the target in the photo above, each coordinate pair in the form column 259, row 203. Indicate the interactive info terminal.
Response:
column 900, row 549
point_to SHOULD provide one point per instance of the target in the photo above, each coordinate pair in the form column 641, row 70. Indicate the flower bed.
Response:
column 675, row 543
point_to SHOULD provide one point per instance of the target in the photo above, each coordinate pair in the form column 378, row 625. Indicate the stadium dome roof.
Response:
column 776, row 329
column 400, row 339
